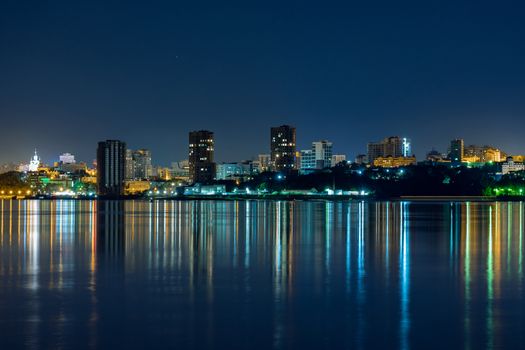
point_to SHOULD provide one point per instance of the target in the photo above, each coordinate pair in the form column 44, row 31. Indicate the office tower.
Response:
column 393, row 146
column 456, row 151
column 111, row 167
column 282, row 147
column 142, row 168
column 66, row 158
column 138, row 164
column 307, row 161
column 129, row 173
column 323, row 154
column 202, row 167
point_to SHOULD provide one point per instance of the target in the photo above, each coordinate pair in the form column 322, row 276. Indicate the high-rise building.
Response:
column 201, row 149
column 457, row 149
column 142, row 168
column 282, row 147
column 111, row 167
column 138, row 164
column 323, row 154
column 129, row 165
column 393, row 146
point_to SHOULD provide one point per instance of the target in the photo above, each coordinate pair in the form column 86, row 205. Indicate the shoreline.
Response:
column 334, row 198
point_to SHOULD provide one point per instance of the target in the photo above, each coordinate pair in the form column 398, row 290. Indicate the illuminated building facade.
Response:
column 393, row 146
column 66, row 158
column 136, row 187
column 510, row 166
column 483, row 154
column 394, row 162
column 129, row 165
column 34, row 163
column 111, row 163
column 283, row 147
column 201, row 151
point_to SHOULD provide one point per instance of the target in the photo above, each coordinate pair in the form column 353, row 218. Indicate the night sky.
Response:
column 147, row 72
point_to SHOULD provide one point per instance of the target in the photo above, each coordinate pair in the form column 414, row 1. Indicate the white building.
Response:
column 228, row 171
column 510, row 166
column 66, row 158
column 323, row 154
column 34, row 163
column 318, row 157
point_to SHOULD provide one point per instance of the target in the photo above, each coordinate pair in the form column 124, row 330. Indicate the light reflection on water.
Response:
column 261, row 274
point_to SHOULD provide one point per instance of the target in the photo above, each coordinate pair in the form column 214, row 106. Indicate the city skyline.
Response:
column 75, row 73
column 420, row 155
column 262, row 174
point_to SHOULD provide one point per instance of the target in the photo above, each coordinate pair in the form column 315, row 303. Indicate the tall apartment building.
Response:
column 201, row 151
column 282, row 145
column 393, row 146
column 111, row 167
column 457, row 150
column 142, row 168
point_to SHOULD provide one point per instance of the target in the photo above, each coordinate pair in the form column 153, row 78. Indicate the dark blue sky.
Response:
column 75, row 72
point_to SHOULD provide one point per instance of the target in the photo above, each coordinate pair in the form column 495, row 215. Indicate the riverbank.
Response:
column 285, row 197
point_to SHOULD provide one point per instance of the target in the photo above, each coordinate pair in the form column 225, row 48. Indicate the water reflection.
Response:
column 261, row 274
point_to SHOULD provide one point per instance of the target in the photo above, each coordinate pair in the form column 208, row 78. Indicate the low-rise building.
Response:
column 235, row 171
column 136, row 187
column 510, row 166
column 394, row 162
column 338, row 158
column 204, row 189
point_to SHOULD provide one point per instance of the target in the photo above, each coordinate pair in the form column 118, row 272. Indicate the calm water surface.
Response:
column 261, row 275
